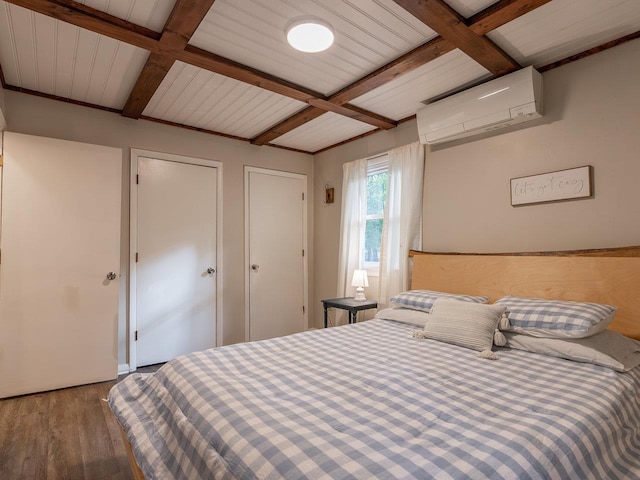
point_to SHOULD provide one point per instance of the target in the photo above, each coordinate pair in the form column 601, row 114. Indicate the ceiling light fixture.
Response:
column 309, row 35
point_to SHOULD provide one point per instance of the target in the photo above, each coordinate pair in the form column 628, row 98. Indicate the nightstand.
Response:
column 349, row 304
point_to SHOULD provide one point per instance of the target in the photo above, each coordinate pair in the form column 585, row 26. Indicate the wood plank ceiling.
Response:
column 223, row 66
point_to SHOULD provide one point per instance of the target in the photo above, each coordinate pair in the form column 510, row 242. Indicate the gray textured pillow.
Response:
column 466, row 324
column 607, row 349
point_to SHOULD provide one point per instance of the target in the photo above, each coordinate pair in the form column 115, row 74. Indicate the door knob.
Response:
column 255, row 267
column 111, row 276
column 211, row 270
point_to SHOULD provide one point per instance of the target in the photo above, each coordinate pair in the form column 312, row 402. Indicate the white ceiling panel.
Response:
column 369, row 33
column 401, row 97
column 199, row 98
column 467, row 8
column 48, row 56
column 562, row 28
column 152, row 14
column 326, row 130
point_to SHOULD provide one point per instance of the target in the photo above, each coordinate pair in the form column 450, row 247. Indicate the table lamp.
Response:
column 360, row 281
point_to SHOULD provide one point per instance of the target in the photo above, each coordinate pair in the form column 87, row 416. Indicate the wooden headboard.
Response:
column 609, row 276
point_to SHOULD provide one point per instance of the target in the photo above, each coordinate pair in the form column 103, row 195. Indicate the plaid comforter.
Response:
column 368, row 401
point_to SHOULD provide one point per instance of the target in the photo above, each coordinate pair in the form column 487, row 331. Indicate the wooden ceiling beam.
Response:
column 294, row 121
column 318, row 108
column 409, row 61
column 354, row 112
column 178, row 30
column 229, row 68
column 494, row 16
column 183, row 22
column 498, row 14
column 441, row 18
column 501, row 13
column 150, row 78
column 169, row 44
column 223, row 66
column 91, row 19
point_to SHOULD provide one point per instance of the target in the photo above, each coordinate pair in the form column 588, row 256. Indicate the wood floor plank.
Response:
column 23, row 450
column 34, row 446
column 64, row 455
column 68, row 434
column 119, row 452
column 95, row 442
column 9, row 424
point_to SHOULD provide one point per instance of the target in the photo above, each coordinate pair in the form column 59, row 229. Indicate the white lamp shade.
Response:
column 360, row 279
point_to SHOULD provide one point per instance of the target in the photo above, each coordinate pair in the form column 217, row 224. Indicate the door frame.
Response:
column 305, row 262
column 133, row 241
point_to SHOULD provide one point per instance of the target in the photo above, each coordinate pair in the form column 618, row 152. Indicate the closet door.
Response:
column 275, row 253
column 60, row 244
column 176, row 273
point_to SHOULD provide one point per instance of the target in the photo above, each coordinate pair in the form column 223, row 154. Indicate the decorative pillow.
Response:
column 556, row 318
column 423, row 299
column 416, row 318
column 608, row 349
column 467, row 324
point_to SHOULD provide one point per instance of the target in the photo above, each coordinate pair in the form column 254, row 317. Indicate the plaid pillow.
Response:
column 556, row 318
column 423, row 299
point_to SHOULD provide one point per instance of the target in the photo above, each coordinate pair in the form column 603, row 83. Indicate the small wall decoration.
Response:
column 328, row 193
column 571, row 184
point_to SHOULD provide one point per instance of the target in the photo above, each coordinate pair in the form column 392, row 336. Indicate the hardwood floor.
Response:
column 64, row 434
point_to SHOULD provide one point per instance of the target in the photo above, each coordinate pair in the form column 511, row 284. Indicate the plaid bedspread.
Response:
column 368, row 401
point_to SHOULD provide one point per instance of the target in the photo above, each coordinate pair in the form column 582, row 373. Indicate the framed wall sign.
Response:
column 571, row 184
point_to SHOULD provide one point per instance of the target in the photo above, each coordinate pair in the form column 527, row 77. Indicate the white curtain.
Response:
column 352, row 223
column 402, row 226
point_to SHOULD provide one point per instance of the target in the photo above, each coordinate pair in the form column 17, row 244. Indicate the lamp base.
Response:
column 360, row 295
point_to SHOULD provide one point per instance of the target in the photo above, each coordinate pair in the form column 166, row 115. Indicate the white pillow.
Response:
column 466, row 324
column 608, row 349
column 404, row 315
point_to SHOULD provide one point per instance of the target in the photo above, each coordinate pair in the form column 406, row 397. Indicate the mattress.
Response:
column 369, row 401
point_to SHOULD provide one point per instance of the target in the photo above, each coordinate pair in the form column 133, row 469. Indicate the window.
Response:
column 377, row 183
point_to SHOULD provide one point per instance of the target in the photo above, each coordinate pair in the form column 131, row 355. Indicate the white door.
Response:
column 60, row 238
column 276, row 243
column 175, row 282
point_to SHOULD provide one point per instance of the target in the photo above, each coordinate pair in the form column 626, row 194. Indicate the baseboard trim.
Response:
column 123, row 368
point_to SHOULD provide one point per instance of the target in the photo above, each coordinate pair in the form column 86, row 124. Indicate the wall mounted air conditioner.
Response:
column 514, row 98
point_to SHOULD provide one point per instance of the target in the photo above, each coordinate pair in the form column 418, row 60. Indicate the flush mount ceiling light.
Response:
column 309, row 35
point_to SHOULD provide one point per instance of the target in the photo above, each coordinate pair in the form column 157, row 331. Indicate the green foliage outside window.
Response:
column 376, row 197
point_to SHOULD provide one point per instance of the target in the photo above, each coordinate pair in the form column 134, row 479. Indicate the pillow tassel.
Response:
column 504, row 322
column 488, row 354
column 499, row 338
column 418, row 334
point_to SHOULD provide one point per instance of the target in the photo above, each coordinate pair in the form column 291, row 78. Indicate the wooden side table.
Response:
column 349, row 304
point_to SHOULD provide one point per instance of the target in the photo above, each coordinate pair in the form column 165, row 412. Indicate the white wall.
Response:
column 48, row 118
column 592, row 118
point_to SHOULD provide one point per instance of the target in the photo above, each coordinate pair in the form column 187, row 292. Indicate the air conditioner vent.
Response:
column 505, row 101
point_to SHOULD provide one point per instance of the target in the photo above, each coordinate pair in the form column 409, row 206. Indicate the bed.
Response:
column 368, row 400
